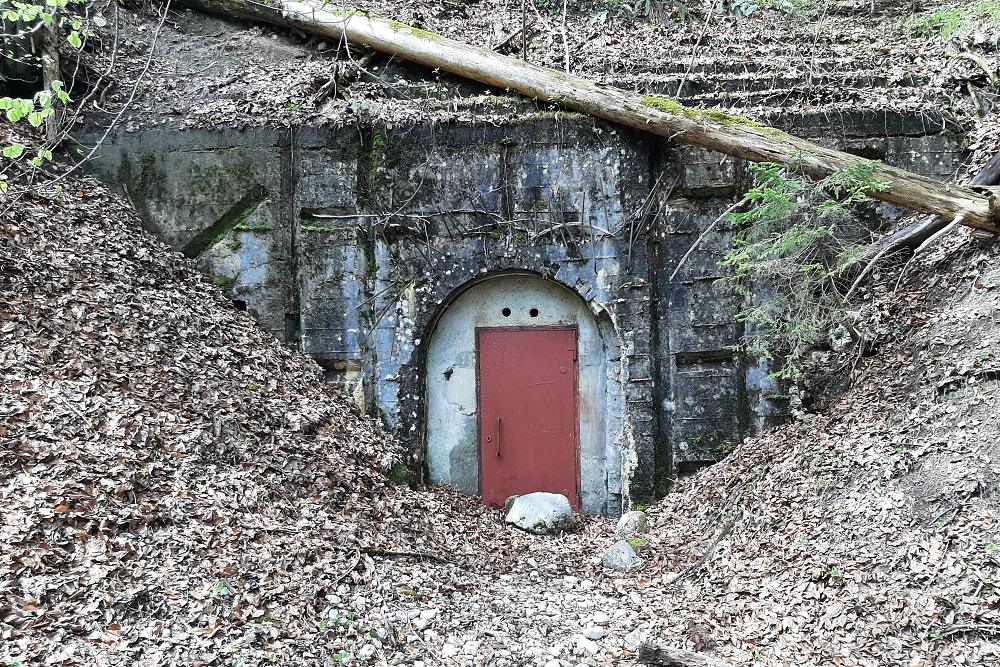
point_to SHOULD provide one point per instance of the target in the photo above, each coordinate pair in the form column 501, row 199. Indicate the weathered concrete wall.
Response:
column 348, row 242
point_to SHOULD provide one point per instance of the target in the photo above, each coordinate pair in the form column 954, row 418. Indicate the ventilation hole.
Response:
column 533, row 312
column 506, row 312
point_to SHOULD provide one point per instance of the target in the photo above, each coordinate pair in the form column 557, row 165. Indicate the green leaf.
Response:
column 13, row 151
column 36, row 118
column 5, row 103
column 43, row 98
column 11, row 15
column 36, row 162
column 74, row 40
column 47, row 154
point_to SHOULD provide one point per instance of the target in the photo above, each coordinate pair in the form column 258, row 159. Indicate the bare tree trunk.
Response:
column 50, row 74
column 707, row 128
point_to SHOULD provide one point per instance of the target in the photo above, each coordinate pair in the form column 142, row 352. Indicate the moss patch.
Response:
column 673, row 107
column 665, row 104
column 638, row 543
column 321, row 229
column 401, row 474
column 260, row 227
column 223, row 282
column 416, row 32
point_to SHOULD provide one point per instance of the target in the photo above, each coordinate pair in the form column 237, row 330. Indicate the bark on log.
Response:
column 663, row 116
column 913, row 235
column 664, row 657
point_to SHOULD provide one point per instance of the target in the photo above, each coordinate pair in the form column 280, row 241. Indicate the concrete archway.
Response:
column 521, row 300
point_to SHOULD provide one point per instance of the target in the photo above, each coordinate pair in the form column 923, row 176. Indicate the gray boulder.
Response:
column 540, row 513
column 631, row 524
column 620, row 557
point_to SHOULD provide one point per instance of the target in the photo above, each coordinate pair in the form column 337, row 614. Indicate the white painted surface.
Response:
column 452, row 424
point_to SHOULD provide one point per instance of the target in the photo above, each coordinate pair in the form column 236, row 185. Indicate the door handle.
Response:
column 499, row 431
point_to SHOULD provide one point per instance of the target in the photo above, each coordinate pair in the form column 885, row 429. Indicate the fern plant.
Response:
column 788, row 250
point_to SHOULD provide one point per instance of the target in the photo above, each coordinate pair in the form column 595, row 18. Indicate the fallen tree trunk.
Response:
column 913, row 235
column 663, row 116
column 654, row 656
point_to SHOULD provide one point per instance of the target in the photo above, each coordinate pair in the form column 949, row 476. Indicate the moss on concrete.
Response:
column 259, row 227
column 324, row 229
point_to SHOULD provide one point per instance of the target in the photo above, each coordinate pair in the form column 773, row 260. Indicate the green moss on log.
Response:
column 666, row 105
column 416, row 32
column 673, row 107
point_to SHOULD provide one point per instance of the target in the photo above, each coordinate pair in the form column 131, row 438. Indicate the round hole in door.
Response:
column 533, row 312
column 506, row 312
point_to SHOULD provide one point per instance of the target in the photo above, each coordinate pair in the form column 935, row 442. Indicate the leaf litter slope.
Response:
column 869, row 535
column 175, row 484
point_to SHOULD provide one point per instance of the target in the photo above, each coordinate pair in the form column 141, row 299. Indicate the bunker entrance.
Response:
column 517, row 380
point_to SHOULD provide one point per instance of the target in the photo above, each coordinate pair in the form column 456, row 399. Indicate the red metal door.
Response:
column 528, row 413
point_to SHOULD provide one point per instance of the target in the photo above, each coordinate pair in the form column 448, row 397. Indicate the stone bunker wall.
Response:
column 350, row 242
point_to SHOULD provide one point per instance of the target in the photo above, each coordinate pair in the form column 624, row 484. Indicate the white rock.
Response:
column 366, row 652
column 594, row 633
column 620, row 557
column 428, row 614
column 631, row 523
column 587, row 645
column 600, row 618
column 540, row 513
column 449, row 651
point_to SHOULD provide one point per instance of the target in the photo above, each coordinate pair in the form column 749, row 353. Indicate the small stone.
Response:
column 366, row 652
column 594, row 633
column 587, row 645
column 600, row 618
column 631, row 523
column 449, row 651
column 620, row 557
column 540, row 513
column 428, row 614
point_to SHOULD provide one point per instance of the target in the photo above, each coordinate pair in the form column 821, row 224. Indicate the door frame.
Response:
column 576, row 399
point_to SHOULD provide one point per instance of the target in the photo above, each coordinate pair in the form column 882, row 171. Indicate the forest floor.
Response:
column 178, row 488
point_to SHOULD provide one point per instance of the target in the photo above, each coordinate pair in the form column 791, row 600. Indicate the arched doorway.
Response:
column 517, row 393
